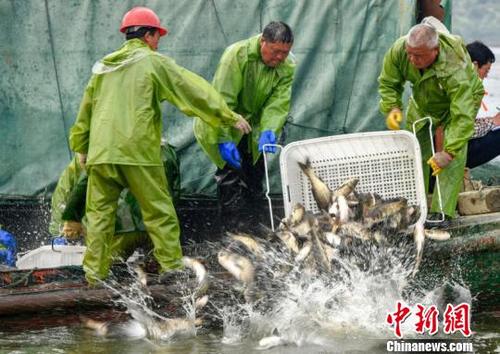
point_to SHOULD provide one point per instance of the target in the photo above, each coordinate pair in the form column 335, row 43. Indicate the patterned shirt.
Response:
column 482, row 126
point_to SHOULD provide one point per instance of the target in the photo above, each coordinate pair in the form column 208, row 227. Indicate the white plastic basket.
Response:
column 46, row 257
column 385, row 162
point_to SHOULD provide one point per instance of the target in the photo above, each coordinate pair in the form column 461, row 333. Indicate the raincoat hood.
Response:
column 130, row 52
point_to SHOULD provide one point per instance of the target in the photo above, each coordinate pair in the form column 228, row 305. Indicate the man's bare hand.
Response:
column 242, row 125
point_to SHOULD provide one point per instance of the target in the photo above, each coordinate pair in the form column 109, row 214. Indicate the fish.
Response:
column 391, row 213
column 303, row 229
column 253, row 246
column 239, row 266
column 437, row 234
column 297, row 214
column 340, row 209
column 289, row 240
column 163, row 329
column 270, row 342
column 380, row 211
column 319, row 253
column 346, row 188
column 331, row 253
column 304, row 252
column 419, row 239
column 173, row 328
column 333, row 239
column 412, row 214
column 321, row 192
column 356, row 230
column 200, row 271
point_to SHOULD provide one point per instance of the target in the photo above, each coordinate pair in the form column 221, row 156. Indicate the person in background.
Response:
column 485, row 142
column 255, row 78
column 446, row 88
column 117, row 137
column 68, row 222
column 8, row 249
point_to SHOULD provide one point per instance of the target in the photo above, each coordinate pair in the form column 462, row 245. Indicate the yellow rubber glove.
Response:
column 439, row 161
column 394, row 118
column 72, row 230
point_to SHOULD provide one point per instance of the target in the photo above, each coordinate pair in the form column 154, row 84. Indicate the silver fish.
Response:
column 270, row 342
column 240, row 267
column 200, row 271
column 253, row 246
column 173, row 328
column 355, row 229
column 319, row 253
column 340, row 209
column 419, row 239
column 297, row 215
column 437, row 234
column 163, row 329
column 304, row 252
column 289, row 240
column 321, row 193
column 346, row 188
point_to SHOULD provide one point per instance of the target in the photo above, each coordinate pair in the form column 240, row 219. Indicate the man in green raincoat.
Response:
column 67, row 217
column 446, row 88
column 255, row 78
column 117, row 135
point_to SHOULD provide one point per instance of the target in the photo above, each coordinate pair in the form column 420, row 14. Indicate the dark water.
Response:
column 30, row 336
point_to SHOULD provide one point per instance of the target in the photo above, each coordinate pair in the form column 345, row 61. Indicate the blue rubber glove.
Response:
column 7, row 248
column 7, row 257
column 61, row 240
column 230, row 154
column 267, row 137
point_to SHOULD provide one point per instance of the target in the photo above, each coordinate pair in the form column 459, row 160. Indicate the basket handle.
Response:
column 268, row 189
column 441, row 219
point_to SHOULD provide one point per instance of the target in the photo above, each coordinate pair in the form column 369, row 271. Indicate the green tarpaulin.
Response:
column 49, row 47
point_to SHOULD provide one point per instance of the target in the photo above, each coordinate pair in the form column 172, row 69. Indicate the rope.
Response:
column 19, row 281
column 51, row 39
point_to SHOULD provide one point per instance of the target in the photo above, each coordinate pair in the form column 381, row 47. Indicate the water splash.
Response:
column 301, row 306
column 145, row 322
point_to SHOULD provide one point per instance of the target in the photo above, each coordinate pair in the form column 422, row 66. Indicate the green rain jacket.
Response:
column 120, row 120
column 449, row 90
column 259, row 93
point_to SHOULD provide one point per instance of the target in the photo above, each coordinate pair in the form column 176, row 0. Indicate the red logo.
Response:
column 427, row 319
column 456, row 318
column 398, row 317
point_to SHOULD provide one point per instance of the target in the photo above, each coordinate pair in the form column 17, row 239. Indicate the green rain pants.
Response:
column 123, row 244
column 450, row 178
column 149, row 186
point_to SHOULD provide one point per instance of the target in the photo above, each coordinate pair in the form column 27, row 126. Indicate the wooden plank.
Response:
column 473, row 220
column 482, row 201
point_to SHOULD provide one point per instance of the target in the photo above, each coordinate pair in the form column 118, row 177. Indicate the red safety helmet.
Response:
column 142, row 16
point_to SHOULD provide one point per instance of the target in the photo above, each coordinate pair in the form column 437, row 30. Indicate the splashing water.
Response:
column 297, row 306
column 145, row 322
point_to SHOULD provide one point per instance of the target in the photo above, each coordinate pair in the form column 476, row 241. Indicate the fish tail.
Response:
column 305, row 167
